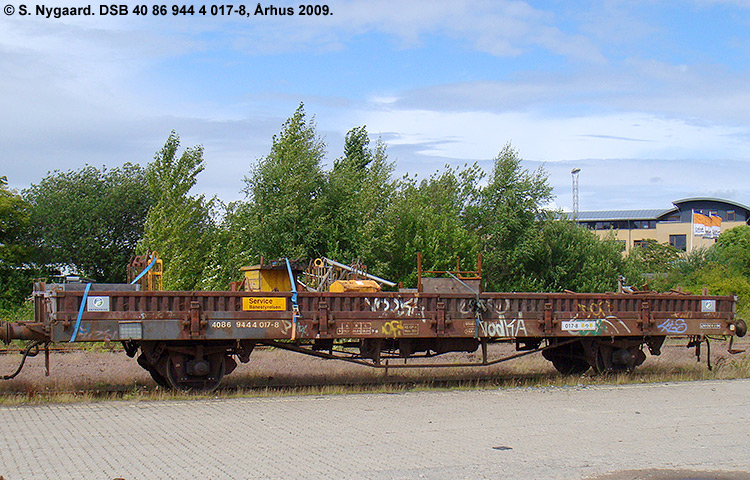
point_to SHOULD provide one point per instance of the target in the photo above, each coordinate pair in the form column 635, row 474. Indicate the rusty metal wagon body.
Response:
column 189, row 340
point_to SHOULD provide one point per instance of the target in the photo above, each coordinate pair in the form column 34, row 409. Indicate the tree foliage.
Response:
column 357, row 193
column 355, row 211
column 297, row 207
column 282, row 217
column 722, row 269
column 17, row 256
column 732, row 248
column 557, row 254
column 429, row 217
column 90, row 219
column 509, row 207
column 179, row 227
column 15, row 219
column 653, row 264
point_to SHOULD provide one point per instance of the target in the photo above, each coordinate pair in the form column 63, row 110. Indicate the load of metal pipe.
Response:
column 358, row 272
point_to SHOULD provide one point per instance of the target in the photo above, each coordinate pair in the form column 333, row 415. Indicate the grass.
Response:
column 20, row 313
column 95, row 376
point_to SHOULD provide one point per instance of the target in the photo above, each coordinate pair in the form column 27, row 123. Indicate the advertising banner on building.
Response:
column 706, row 226
column 715, row 226
column 701, row 223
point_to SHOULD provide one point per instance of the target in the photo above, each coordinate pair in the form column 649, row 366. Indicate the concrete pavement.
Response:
column 528, row 433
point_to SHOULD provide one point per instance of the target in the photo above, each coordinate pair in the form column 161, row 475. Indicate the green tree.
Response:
column 283, row 214
column 15, row 219
column 90, row 219
column 357, row 193
column 655, row 264
column 17, row 260
column 558, row 254
column 296, row 209
column 732, row 248
column 231, row 249
column 512, row 203
column 429, row 216
column 179, row 227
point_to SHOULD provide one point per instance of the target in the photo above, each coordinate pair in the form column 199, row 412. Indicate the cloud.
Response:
column 471, row 135
column 628, row 183
column 562, row 84
column 500, row 28
column 711, row 93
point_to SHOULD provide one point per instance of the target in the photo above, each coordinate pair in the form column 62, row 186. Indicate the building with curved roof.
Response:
column 675, row 225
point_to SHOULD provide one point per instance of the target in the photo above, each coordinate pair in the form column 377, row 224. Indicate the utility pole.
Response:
column 574, row 173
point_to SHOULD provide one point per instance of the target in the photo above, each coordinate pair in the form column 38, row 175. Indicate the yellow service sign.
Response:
column 264, row 303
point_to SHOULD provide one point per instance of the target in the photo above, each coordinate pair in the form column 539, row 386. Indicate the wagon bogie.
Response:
column 194, row 365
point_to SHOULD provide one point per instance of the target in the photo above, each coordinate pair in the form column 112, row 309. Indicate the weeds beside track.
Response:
column 98, row 374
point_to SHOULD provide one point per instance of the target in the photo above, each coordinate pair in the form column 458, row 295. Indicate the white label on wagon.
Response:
column 708, row 305
column 579, row 326
column 97, row 304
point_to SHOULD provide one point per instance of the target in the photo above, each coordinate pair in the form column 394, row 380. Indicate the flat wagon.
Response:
column 191, row 339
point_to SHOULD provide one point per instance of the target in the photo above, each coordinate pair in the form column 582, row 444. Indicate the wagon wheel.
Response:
column 155, row 374
column 568, row 359
column 608, row 358
column 601, row 353
column 191, row 373
column 570, row 366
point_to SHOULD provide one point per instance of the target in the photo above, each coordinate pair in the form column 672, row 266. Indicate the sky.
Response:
column 649, row 99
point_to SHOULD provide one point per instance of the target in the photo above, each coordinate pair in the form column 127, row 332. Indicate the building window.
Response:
column 678, row 241
column 640, row 243
column 644, row 224
column 731, row 216
column 675, row 217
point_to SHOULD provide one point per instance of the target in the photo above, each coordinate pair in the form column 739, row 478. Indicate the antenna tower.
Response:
column 574, row 174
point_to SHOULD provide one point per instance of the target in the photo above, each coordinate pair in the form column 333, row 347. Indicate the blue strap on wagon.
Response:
column 86, row 295
column 80, row 313
column 145, row 271
column 295, row 306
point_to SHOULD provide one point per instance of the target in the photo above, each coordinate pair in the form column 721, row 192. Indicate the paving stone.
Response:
column 558, row 433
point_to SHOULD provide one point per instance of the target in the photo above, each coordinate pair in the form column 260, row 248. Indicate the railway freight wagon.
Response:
column 190, row 340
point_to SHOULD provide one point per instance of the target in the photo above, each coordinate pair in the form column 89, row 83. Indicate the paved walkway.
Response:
column 534, row 433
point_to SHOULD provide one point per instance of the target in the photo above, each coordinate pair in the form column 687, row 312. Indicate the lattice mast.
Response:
column 574, row 173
